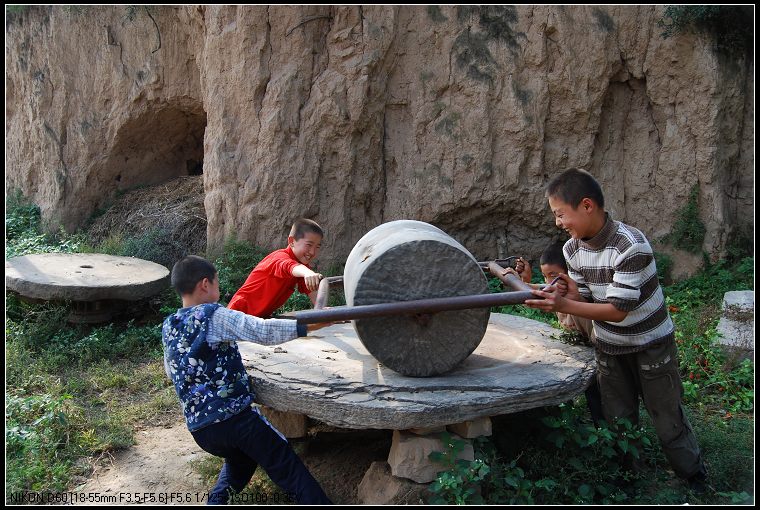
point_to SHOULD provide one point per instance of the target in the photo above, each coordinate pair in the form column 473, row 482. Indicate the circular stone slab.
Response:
column 84, row 277
column 331, row 377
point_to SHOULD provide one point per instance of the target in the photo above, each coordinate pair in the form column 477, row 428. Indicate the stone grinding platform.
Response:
column 95, row 282
column 331, row 377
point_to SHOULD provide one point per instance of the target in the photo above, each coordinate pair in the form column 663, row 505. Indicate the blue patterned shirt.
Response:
column 202, row 359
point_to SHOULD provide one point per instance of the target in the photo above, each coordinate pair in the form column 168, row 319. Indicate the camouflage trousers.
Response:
column 653, row 375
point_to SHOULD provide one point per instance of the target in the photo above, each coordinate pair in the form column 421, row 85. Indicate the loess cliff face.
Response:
column 354, row 116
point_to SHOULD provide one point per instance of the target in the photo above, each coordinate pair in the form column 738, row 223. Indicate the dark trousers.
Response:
column 246, row 441
column 593, row 395
column 653, row 375
column 594, row 401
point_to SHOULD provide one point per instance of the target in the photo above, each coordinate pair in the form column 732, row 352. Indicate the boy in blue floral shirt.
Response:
column 201, row 358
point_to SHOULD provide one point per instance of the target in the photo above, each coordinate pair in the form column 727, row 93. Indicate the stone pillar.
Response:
column 737, row 324
column 380, row 487
column 409, row 453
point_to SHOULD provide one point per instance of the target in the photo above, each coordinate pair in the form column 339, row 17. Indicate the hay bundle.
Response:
column 161, row 223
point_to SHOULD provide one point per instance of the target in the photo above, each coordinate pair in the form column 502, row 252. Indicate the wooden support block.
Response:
column 291, row 425
column 472, row 428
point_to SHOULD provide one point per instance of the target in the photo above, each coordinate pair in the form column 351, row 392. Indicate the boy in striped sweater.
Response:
column 612, row 280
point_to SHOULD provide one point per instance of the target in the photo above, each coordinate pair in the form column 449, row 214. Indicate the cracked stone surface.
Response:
column 84, row 276
column 331, row 377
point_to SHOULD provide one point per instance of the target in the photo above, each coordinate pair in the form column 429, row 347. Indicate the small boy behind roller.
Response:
column 552, row 263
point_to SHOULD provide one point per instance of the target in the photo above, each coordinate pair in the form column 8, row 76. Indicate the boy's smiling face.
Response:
column 551, row 271
column 576, row 222
column 307, row 248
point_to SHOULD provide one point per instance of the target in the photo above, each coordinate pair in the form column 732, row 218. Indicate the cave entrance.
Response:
column 164, row 141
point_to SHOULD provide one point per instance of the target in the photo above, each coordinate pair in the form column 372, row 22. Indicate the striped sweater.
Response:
column 617, row 266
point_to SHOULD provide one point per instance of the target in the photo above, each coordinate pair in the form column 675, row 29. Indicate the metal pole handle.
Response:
column 419, row 306
column 510, row 280
column 522, row 291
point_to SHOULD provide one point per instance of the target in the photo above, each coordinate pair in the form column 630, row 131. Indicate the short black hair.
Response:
column 553, row 255
column 573, row 185
column 187, row 272
column 302, row 225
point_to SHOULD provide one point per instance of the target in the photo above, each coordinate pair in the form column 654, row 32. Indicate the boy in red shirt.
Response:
column 274, row 279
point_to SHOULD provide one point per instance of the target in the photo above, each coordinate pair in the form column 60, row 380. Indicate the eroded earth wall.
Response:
column 354, row 116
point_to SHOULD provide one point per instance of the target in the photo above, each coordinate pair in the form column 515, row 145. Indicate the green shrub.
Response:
column 38, row 323
column 114, row 342
column 15, row 9
column 688, row 231
column 664, row 265
column 739, row 246
column 709, row 285
column 56, row 345
column 170, row 302
column 23, row 235
column 295, row 302
column 731, row 27
column 37, row 435
column 457, row 482
column 236, row 262
column 21, row 216
column 695, row 307
column 156, row 244
column 573, row 462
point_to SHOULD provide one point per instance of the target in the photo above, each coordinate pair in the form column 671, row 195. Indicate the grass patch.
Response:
column 74, row 392
column 728, row 446
column 62, row 408
column 260, row 490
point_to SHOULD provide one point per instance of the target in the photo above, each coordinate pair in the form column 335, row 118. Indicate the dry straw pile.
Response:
column 162, row 223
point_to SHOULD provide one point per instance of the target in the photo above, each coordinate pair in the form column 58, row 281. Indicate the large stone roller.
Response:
column 408, row 260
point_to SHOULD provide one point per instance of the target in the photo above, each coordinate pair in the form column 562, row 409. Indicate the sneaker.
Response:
column 698, row 482
column 632, row 464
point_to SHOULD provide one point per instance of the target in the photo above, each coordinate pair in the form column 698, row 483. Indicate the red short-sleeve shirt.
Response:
column 269, row 285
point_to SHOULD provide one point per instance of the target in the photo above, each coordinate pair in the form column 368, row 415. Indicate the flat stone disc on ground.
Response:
column 330, row 376
column 407, row 260
column 84, row 277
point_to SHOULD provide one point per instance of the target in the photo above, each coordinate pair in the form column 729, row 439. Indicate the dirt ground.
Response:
column 162, row 465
